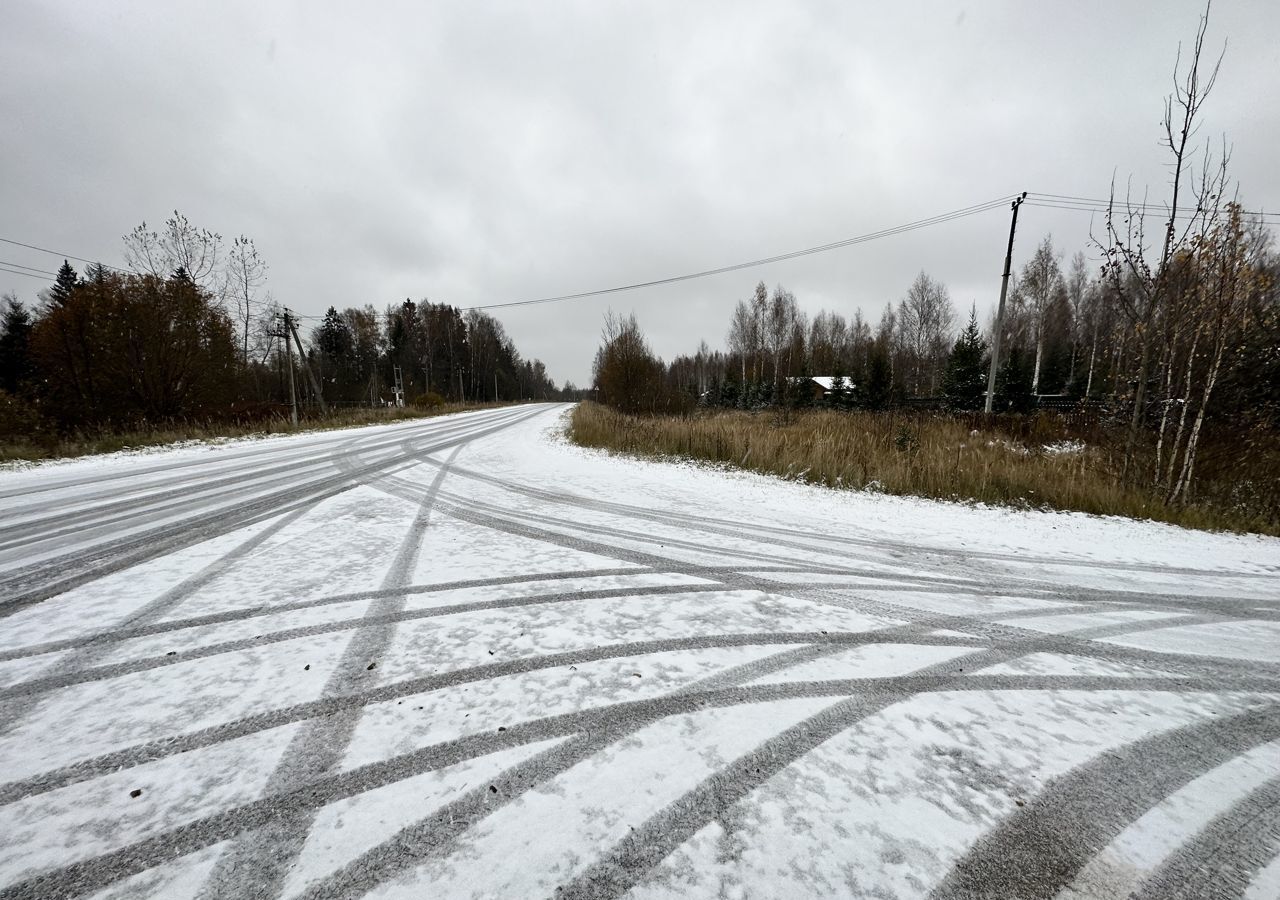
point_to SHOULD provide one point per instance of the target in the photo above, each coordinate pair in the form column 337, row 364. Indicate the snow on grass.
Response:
column 1043, row 535
column 1064, row 448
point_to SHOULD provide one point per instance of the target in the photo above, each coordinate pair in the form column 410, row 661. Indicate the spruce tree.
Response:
column 65, row 282
column 964, row 383
column 15, row 338
column 1013, row 382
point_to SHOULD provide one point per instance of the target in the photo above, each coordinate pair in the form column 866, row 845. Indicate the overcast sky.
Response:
column 478, row 153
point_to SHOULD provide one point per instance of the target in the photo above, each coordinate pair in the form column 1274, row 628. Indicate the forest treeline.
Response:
column 1166, row 350
column 188, row 332
column 1198, row 357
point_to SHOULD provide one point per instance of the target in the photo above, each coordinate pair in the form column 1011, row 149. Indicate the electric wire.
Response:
column 14, row 265
column 92, row 262
column 1043, row 200
column 28, row 274
column 848, row 242
column 1126, row 207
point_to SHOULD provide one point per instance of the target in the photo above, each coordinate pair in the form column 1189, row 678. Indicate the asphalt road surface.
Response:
column 460, row 658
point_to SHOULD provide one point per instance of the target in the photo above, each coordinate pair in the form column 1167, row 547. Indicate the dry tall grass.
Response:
column 904, row 453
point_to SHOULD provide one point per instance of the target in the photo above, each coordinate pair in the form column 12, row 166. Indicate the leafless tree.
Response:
column 1142, row 288
column 178, row 245
column 1040, row 284
column 925, row 321
column 246, row 274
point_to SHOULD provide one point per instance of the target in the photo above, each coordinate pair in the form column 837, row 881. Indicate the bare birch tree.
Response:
column 1141, row 287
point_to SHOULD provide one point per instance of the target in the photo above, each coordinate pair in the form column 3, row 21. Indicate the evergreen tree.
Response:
column 835, row 396
column 15, row 338
column 334, row 337
column 964, row 381
column 63, row 285
column 1013, row 382
column 334, row 341
column 879, row 379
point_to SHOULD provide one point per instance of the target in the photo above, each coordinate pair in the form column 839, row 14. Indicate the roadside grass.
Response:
column 1038, row 464
column 52, row 446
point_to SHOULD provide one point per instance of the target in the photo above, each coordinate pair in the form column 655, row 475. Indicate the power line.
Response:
column 16, row 272
column 92, row 262
column 1043, row 200
column 15, row 265
column 1093, row 204
column 848, row 242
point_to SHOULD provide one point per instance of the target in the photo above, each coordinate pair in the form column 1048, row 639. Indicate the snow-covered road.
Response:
column 461, row 658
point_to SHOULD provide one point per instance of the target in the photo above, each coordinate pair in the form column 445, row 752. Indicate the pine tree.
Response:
column 15, row 354
column 964, row 382
column 65, row 282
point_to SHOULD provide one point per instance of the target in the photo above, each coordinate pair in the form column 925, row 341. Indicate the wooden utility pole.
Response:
column 293, row 391
column 1004, row 291
column 302, row 357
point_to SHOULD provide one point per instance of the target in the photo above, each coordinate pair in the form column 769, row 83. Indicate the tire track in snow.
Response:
column 16, row 704
column 1215, row 675
column 737, row 528
column 163, row 747
column 1040, row 848
column 1225, row 856
column 249, row 612
column 22, row 587
column 1209, row 670
column 383, row 617
column 1225, row 608
column 305, row 799
column 257, row 863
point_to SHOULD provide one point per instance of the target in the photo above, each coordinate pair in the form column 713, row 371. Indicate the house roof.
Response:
column 824, row 381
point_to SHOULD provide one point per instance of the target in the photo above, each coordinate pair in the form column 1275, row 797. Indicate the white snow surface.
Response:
column 478, row 597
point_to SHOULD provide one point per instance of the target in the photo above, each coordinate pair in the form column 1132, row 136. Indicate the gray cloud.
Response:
column 481, row 153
